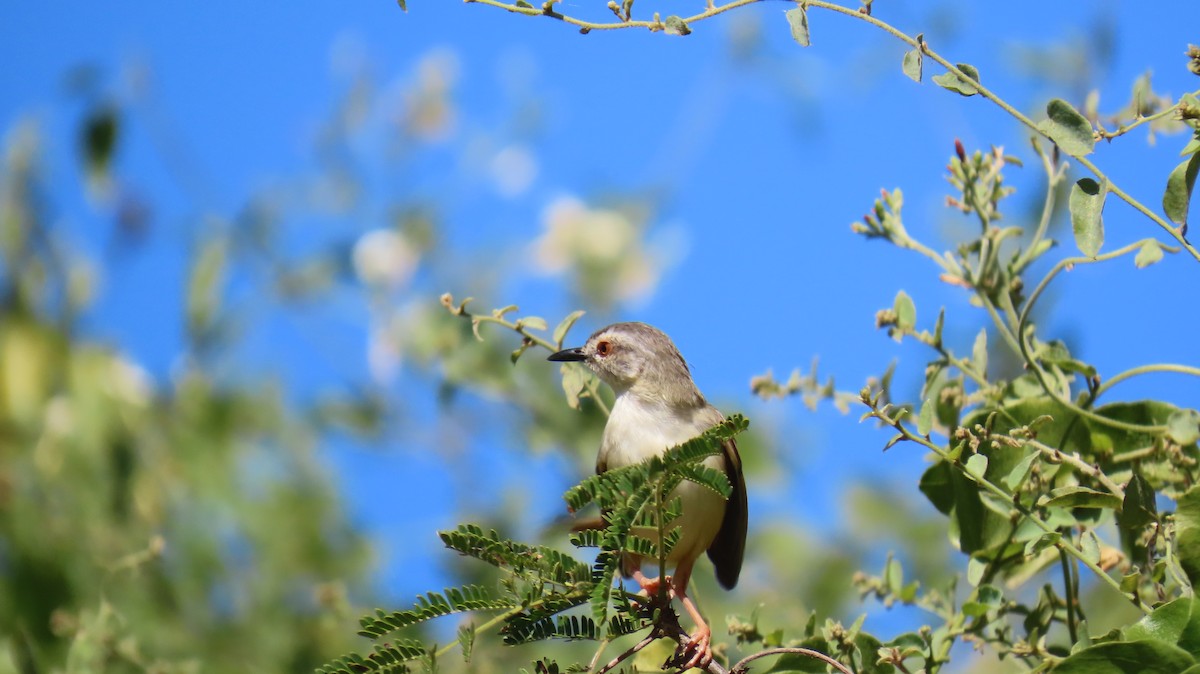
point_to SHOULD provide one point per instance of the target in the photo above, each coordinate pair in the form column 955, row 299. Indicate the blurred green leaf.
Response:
column 98, row 139
column 1183, row 426
column 979, row 353
column 906, row 311
column 1148, row 254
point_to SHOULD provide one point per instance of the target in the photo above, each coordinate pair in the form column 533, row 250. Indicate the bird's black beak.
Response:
column 575, row 354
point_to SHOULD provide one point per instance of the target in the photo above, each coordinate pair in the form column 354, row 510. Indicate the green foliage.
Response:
column 539, row 584
column 167, row 525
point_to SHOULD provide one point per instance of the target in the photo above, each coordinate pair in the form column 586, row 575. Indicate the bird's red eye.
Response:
column 603, row 349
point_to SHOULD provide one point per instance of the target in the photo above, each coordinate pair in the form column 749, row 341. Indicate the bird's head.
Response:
column 635, row 356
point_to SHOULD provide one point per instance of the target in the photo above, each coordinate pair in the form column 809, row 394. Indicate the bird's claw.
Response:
column 698, row 647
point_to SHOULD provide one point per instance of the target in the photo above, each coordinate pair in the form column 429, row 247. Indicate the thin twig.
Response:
column 650, row 638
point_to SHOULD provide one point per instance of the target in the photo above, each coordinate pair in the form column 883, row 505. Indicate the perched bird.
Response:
column 658, row 406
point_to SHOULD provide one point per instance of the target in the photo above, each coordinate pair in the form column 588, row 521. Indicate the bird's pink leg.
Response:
column 700, row 642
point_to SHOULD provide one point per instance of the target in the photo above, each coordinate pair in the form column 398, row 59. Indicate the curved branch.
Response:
column 741, row 666
column 656, row 25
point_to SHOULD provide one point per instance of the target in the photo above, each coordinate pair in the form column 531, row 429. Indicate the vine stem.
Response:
column 1147, row 369
column 1023, row 321
column 741, row 665
column 657, row 25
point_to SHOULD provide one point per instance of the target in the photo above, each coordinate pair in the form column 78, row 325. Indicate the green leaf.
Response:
column 676, row 26
column 979, row 353
column 913, row 64
column 1017, row 476
column 1081, row 497
column 206, row 286
column 1148, row 254
column 987, row 597
column 1143, row 656
column 99, row 139
column 925, row 418
column 1069, row 129
column 1187, row 534
column 1178, row 196
column 906, row 311
column 1183, row 426
column 560, row 332
column 573, row 380
column 977, row 465
column 953, row 82
column 1089, row 545
column 1139, row 508
column 1087, row 204
column 1165, row 624
column 1046, row 540
column 403, row 6
column 797, row 18
column 532, row 322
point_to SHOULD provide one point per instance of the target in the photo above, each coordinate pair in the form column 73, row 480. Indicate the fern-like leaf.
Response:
column 383, row 659
column 433, row 605
column 551, row 565
column 716, row 480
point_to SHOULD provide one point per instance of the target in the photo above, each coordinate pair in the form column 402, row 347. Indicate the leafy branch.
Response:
column 577, row 382
column 1065, row 126
column 541, row 586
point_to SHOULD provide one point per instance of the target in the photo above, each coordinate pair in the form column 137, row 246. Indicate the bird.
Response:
column 657, row 407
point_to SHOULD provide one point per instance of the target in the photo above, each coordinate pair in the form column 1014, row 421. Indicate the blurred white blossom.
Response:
column 513, row 170
column 383, row 258
column 428, row 111
column 604, row 248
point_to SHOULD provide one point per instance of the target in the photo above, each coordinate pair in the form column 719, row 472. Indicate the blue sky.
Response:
column 759, row 164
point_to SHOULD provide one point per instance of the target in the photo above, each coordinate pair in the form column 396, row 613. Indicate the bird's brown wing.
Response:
column 729, row 546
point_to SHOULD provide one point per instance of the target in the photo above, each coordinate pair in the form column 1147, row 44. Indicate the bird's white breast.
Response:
column 638, row 429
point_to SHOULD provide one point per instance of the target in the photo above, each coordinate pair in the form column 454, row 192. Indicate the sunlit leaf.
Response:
column 913, row 64
column 953, row 82
column 797, row 19
column 1178, row 196
column 1087, row 204
column 1069, row 129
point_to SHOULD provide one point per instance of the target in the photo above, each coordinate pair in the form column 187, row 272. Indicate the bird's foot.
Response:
column 696, row 651
column 651, row 586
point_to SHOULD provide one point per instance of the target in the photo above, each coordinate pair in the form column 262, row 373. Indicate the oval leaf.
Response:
column 957, row 84
column 798, row 20
column 1178, row 196
column 913, row 62
column 1087, row 204
column 1069, row 129
column 676, row 26
column 560, row 332
column 906, row 311
column 1146, row 656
